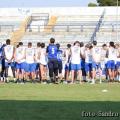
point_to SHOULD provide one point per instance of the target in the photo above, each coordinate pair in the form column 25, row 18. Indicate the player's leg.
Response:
column 45, row 73
column 3, row 71
column 93, row 72
column 109, row 67
column 32, row 71
column 66, row 75
column 87, row 72
column 17, row 73
column 100, row 72
column 13, row 69
column 55, row 68
column 79, row 72
column 60, row 70
column 6, row 72
column 51, row 71
column 42, row 72
column 73, row 69
column 22, row 70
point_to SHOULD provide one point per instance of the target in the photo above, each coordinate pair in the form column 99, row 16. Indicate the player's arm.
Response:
column 69, row 56
column 12, row 54
column 34, row 57
column 15, row 55
column 38, row 54
column 4, row 54
column 47, row 50
column 107, row 53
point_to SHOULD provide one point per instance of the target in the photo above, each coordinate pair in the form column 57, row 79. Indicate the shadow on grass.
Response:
column 55, row 110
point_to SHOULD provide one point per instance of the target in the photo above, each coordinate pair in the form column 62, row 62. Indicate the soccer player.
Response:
column 67, row 62
column 20, row 63
column 88, row 61
column 104, row 60
column 43, row 63
column 9, row 56
column 96, row 64
column 3, row 63
column 82, row 49
column 30, row 66
column 37, row 60
column 0, row 60
column 75, row 61
column 52, row 61
column 117, row 46
column 112, row 55
column 60, row 64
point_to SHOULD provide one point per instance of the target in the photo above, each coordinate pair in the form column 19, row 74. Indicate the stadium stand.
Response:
column 65, row 24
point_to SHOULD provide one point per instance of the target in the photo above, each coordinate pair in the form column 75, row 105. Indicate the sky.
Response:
column 44, row 3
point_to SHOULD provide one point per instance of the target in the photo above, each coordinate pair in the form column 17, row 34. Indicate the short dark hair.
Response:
column 112, row 44
column 94, row 42
column 20, row 43
column 58, row 45
column 68, row 45
column 87, row 45
column 81, row 44
column 29, row 44
column 42, row 45
column 17, row 45
column 76, row 42
column 8, row 41
column 104, row 45
column 38, row 44
column 90, row 46
column 52, row 40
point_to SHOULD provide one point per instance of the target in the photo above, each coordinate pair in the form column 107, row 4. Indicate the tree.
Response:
column 92, row 4
column 108, row 2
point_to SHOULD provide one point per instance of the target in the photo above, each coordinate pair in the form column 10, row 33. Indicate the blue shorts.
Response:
column 88, row 67
column 30, row 67
column 96, row 65
column 76, row 66
column 21, row 66
column 37, row 66
column 118, row 65
column 68, row 67
column 12, row 64
column 111, row 64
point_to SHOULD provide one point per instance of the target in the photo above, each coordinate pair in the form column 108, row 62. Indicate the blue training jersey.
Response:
column 52, row 51
column 59, row 55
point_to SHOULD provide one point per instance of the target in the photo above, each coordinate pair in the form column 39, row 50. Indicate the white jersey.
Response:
column 37, row 52
column 67, row 54
column 88, row 56
column 9, row 51
column 112, row 54
column 43, row 57
column 96, row 52
column 30, row 54
column 103, row 54
column 20, row 54
column 75, row 55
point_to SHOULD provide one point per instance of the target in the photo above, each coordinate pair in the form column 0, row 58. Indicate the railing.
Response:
column 8, row 28
column 98, row 26
column 59, row 28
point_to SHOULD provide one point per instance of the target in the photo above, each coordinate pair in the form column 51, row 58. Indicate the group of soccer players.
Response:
column 78, row 62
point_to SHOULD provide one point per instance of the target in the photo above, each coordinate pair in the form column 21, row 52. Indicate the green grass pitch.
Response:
column 58, row 102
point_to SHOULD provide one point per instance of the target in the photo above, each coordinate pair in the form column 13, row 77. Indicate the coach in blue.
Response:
column 52, row 61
